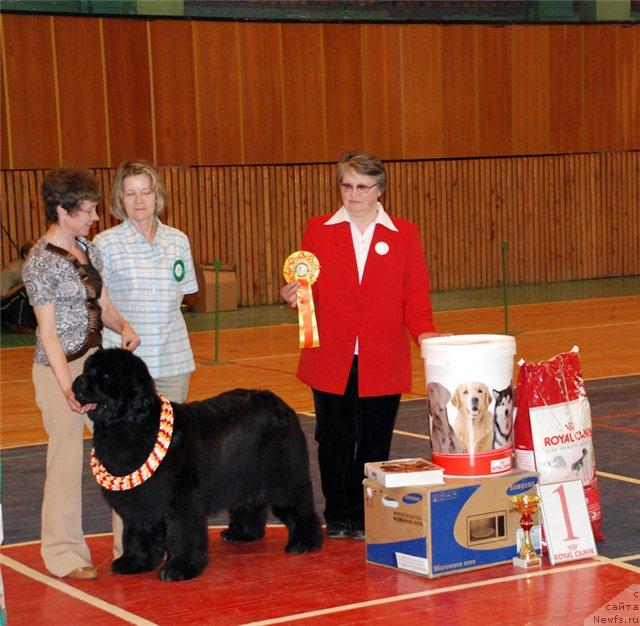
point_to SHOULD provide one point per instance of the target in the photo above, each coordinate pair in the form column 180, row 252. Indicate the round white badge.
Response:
column 382, row 247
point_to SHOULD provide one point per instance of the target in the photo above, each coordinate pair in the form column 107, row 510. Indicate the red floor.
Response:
column 257, row 582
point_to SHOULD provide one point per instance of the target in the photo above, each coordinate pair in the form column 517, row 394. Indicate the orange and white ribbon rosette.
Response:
column 305, row 268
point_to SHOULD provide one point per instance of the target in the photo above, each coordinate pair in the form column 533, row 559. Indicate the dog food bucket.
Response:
column 470, row 402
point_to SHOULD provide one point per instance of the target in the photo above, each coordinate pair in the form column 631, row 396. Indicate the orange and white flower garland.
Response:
column 148, row 468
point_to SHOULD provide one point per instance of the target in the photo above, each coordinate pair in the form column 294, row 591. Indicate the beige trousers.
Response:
column 175, row 389
column 63, row 547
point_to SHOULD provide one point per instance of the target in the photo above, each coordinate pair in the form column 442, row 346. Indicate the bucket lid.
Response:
column 478, row 345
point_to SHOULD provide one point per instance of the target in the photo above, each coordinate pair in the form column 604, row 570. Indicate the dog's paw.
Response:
column 128, row 565
column 298, row 547
column 172, row 572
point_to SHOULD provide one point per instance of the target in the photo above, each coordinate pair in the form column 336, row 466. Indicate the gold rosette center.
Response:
column 304, row 268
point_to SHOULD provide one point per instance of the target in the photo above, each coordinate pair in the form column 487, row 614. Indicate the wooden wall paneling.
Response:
column 467, row 192
column 261, row 88
column 7, row 209
column 512, row 209
column 494, row 99
column 81, row 92
column 565, row 217
column 31, row 91
column 530, row 85
column 218, row 59
column 343, row 88
column 566, row 89
column 128, row 89
column 461, row 214
column 6, row 155
column 553, row 209
column 245, row 231
column 423, row 106
column 498, row 219
column 174, row 92
column 259, row 240
column 303, row 90
column 581, row 182
column 219, row 235
column 452, row 225
column 382, row 109
column 600, row 87
column 233, row 225
column 25, row 230
column 272, row 258
column 210, row 231
column 627, row 70
column 595, row 217
column 590, row 226
column 614, row 166
column 545, row 200
column 572, row 202
column 631, row 186
column 459, row 67
column 198, row 221
column 532, row 245
column 525, row 247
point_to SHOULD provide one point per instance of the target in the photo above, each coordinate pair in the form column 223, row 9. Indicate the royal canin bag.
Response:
column 552, row 431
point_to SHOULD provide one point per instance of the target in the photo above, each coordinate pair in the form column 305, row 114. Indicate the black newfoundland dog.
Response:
column 242, row 450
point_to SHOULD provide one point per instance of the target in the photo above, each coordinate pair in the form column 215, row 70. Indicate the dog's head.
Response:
column 118, row 383
column 503, row 410
column 437, row 397
column 472, row 398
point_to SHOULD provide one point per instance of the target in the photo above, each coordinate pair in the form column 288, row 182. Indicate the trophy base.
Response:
column 527, row 563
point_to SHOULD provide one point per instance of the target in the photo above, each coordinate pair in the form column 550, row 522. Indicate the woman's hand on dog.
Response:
column 75, row 405
column 289, row 294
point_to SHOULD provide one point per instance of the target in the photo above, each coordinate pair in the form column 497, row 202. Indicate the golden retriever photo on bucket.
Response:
column 474, row 423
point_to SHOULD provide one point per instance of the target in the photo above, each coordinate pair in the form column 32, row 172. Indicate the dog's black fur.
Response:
column 242, row 450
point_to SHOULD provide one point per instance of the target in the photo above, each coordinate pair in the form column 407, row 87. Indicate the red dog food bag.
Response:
column 552, row 431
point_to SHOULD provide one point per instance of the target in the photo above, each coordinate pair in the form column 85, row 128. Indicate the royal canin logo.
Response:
column 570, row 426
column 570, row 437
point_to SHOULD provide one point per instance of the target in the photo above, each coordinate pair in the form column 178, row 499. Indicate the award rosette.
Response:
column 304, row 267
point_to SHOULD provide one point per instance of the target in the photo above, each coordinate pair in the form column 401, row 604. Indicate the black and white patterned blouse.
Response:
column 53, row 275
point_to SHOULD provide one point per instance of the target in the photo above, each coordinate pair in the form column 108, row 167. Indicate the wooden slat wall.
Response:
column 91, row 92
column 565, row 217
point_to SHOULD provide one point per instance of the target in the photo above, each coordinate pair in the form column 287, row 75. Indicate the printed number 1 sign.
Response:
column 566, row 522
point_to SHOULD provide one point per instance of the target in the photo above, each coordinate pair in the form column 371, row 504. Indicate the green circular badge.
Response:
column 178, row 270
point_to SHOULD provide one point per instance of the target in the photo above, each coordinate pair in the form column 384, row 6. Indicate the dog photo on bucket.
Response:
column 164, row 466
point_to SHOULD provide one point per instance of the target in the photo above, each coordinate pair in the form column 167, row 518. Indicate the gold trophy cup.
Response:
column 527, row 505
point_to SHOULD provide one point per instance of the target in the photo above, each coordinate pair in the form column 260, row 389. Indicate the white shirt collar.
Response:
column 342, row 215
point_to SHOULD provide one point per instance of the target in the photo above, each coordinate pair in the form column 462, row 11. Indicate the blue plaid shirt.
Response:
column 146, row 283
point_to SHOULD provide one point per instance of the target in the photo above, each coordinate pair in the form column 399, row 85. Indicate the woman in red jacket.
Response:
column 373, row 287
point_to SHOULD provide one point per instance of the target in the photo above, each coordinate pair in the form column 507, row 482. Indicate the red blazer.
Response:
column 392, row 298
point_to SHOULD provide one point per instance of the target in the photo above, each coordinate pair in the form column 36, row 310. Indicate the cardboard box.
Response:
column 435, row 530
column 204, row 301
column 402, row 472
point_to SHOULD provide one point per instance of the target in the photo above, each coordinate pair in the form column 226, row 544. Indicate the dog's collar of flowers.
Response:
column 148, row 468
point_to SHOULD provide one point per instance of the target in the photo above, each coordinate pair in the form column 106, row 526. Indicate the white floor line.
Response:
column 423, row 594
column 74, row 593
column 408, row 434
column 621, row 562
column 626, row 479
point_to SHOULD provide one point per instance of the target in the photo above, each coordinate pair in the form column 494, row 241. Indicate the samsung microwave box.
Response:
column 433, row 530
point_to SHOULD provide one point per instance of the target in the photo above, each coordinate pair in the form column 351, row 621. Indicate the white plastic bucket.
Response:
column 470, row 402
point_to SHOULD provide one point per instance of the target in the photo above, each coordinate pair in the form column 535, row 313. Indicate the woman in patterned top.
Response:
column 62, row 277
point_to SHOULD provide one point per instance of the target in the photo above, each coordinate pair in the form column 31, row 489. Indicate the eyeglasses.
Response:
column 359, row 189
